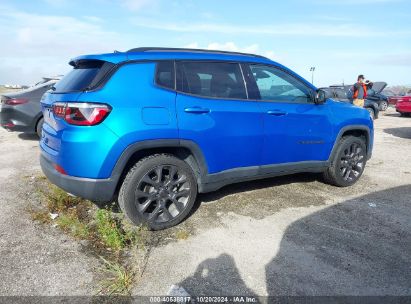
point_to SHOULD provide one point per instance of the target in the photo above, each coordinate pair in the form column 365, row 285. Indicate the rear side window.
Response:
column 211, row 79
column 85, row 75
column 165, row 74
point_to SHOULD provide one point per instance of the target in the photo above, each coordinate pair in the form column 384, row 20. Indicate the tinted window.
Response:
column 85, row 75
column 211, row 79
column 165, row 74
column 276, row 85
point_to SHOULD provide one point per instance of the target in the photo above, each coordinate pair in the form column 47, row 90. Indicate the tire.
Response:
column 150, row 196
column 39, row 127
column 371, row 111
column 383, row 105
column 348, row 162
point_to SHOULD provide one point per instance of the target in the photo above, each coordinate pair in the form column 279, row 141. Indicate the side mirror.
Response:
column 320, row 97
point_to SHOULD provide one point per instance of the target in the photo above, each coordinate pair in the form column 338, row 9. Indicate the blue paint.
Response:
column 231, row 133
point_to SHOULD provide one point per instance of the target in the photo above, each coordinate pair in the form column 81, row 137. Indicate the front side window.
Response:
column 211, row 79
column 276, row 85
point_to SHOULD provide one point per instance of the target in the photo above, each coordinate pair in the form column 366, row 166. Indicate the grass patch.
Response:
column 116, row 233
column 182, row 235
column 71, row 224
column 59, row 201
column 119, row 281
column 109, row 230
column 41, row 216
column 107, row 233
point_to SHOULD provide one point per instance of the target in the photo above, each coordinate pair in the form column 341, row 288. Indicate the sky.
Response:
column 340, row 38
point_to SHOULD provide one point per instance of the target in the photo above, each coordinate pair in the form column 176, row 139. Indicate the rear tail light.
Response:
column 81, row 114
column 15, row 101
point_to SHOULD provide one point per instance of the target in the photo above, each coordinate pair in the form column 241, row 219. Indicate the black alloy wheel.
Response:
column 352, row 162
column 159, row 191
column 348, row 161
column 163, row 193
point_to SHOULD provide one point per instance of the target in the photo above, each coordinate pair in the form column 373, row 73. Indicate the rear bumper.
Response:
column 14, row 120
column 99, row 190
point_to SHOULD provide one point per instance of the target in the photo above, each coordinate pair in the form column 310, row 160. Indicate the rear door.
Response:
column 213, row 111
column 295, row 129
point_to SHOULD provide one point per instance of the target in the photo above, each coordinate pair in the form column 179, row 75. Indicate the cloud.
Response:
column 227, row 46
column 290, row 29
column 232, row 47
column 355, row 2
column 43, row 44
column 56, row 3
column 401, row 60
column 93, row 19
column 41, row 35
column 136, row 5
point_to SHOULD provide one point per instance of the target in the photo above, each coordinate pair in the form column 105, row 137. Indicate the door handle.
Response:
column 276, row 113
column 196, row 110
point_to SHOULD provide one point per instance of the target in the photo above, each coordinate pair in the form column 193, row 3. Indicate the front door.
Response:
column 295, row 129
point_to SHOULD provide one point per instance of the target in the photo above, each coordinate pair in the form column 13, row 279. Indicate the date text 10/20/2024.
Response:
column 203, row 299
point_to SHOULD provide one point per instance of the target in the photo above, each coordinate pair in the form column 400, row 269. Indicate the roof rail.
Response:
column 164, row 49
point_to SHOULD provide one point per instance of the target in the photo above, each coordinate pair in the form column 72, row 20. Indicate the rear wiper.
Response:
column 53, row 88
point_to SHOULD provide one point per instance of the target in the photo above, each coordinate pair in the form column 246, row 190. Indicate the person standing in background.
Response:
column 360, row 92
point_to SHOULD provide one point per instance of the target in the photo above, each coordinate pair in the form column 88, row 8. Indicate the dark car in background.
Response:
column 374, row 94
column 342, row 94
column 21, row 111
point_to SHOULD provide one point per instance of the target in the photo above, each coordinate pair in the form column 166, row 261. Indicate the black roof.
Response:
column 164, row 49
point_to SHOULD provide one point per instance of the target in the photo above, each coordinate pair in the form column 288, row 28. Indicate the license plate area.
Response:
column 49, row 118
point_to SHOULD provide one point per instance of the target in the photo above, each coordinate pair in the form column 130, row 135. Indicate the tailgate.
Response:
column 86, row 74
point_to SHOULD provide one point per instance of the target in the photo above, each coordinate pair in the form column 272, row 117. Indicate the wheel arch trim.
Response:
column 345, row 129
column 191, row 146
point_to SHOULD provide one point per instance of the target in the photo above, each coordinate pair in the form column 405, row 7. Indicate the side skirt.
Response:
column 215, row 181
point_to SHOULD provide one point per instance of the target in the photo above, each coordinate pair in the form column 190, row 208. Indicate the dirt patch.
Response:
column 103, row 234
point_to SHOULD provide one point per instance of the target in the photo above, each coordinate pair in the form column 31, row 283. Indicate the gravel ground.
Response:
column 34, row 260
column 291, row 235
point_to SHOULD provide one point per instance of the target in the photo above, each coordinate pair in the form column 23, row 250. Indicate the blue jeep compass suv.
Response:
column 152, row 127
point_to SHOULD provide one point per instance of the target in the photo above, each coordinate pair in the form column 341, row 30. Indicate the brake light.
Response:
column 81, row 114
column 15, row 101
column 59, row 109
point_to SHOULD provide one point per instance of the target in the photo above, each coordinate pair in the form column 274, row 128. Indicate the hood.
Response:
column 379, row 86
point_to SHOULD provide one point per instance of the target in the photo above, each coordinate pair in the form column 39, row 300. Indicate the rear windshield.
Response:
column 85, row 75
